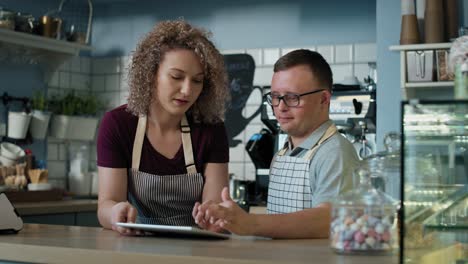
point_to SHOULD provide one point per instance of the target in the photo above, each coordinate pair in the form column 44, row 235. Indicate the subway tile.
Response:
column 327, row 53
column 263, row 75
column 98, row 66
column 110, row 99
column 250, row 171
column 98, row 83
column 270, row 56
column 233, row 51
column 105, row 65
column 65, row 66
column 52, row 152
column 361, row 71
column 237, row 153
column 287, row 50
column 123, row 82
column 85, row 65
column 340, row 71
column 365, row 52
column 113, row 82
column 237, row 170
column 62, row 148
column 64, row 80
column 256, row 55
column 250, row 111
column 57, row 169
column 125, row 63
column 123, row 97
column 255, row 97
column 54, row 79
column 75, row 64
column 80, row 81
column 344, row 53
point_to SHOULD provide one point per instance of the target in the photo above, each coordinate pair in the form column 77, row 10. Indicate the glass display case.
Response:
column 434, row 192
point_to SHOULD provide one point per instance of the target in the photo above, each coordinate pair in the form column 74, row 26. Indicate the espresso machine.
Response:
column 261, row 147
column 354, row 113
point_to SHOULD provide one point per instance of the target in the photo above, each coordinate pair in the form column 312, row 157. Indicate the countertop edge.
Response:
column 49, row 254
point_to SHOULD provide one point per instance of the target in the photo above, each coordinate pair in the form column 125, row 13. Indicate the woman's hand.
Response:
column 199, row 217
column 126, row 213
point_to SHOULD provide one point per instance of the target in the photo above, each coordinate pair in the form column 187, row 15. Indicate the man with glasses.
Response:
column 312, row 168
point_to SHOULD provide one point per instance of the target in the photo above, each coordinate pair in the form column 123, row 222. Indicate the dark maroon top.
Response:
column 115, row 144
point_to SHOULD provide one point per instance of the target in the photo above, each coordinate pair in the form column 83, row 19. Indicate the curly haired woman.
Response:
column 166, row 151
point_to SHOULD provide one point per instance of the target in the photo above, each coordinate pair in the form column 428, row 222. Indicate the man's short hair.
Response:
column 317, row 64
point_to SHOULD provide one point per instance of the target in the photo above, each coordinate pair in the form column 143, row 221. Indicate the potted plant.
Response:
column 40, row 116
column 74, row 117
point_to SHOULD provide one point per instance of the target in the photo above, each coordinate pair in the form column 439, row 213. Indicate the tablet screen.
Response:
column 176, row 230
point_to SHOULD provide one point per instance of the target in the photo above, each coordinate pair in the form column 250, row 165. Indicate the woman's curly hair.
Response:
column 169, row 35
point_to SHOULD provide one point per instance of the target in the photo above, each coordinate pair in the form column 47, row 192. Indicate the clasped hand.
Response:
column 226, row 215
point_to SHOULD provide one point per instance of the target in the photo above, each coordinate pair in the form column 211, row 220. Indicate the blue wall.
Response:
column 238, row 24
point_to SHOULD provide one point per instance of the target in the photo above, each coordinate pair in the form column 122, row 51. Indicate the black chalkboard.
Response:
column 240, row 69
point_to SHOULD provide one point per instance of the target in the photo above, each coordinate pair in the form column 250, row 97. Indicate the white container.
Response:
column 18, row 124
column 73, row 127
column 11, row 151
column 6, row 161
column 420, row 65
column 39, row 124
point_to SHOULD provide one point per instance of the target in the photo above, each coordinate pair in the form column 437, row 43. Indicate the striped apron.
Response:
column 289, row 189
column 164, row 199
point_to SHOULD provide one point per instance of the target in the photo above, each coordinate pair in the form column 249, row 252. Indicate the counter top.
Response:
column 72, row 244
column 55, row 207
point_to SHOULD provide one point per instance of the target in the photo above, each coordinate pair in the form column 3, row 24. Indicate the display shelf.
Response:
column 408, row 87
column 30, row 41
column 24, row 48
column 427, row 46
column 429, row 84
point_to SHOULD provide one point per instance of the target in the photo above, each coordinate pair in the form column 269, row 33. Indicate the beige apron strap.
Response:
column 187, row 145
column 330, row 132
column 138, row 142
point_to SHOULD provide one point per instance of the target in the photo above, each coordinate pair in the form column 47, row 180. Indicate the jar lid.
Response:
column 365, row 194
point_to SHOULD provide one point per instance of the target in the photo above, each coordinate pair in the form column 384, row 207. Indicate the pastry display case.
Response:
column 434, row 191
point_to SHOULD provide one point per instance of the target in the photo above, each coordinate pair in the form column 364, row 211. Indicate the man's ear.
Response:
column 326, row 97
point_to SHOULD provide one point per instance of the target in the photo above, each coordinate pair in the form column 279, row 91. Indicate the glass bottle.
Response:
column 364, row 218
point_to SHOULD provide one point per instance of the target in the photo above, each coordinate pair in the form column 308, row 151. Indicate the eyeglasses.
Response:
column 290, row 99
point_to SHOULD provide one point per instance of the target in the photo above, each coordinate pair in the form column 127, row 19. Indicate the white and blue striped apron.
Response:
column 164, row 199
column 289, row 189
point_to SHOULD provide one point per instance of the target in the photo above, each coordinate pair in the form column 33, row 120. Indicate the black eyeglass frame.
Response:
column 269, row 98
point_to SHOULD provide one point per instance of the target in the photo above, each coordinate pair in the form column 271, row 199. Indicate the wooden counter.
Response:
column 56, row 207
column 72, row 244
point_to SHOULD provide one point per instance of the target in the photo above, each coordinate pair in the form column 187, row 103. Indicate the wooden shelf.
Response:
column 428, row 84
column 428, row 46
column 30, row 41
column 24, row 48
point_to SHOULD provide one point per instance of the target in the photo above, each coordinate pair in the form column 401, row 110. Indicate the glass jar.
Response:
column 364, row 219
column 7, row 19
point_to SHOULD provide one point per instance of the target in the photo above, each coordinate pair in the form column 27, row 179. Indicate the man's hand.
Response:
column 228, row 215
column 199, row 217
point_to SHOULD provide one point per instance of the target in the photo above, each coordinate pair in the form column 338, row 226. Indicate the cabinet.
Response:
column 434, row 187
column 25, row 48
column 406, row 86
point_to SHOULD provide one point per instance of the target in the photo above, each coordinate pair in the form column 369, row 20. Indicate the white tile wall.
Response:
column 365, row 52
column 327, row 52
column 344, row 53
column 107, row 77
column 270, row 56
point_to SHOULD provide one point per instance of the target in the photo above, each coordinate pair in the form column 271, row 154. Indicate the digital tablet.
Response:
column 175, row 230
